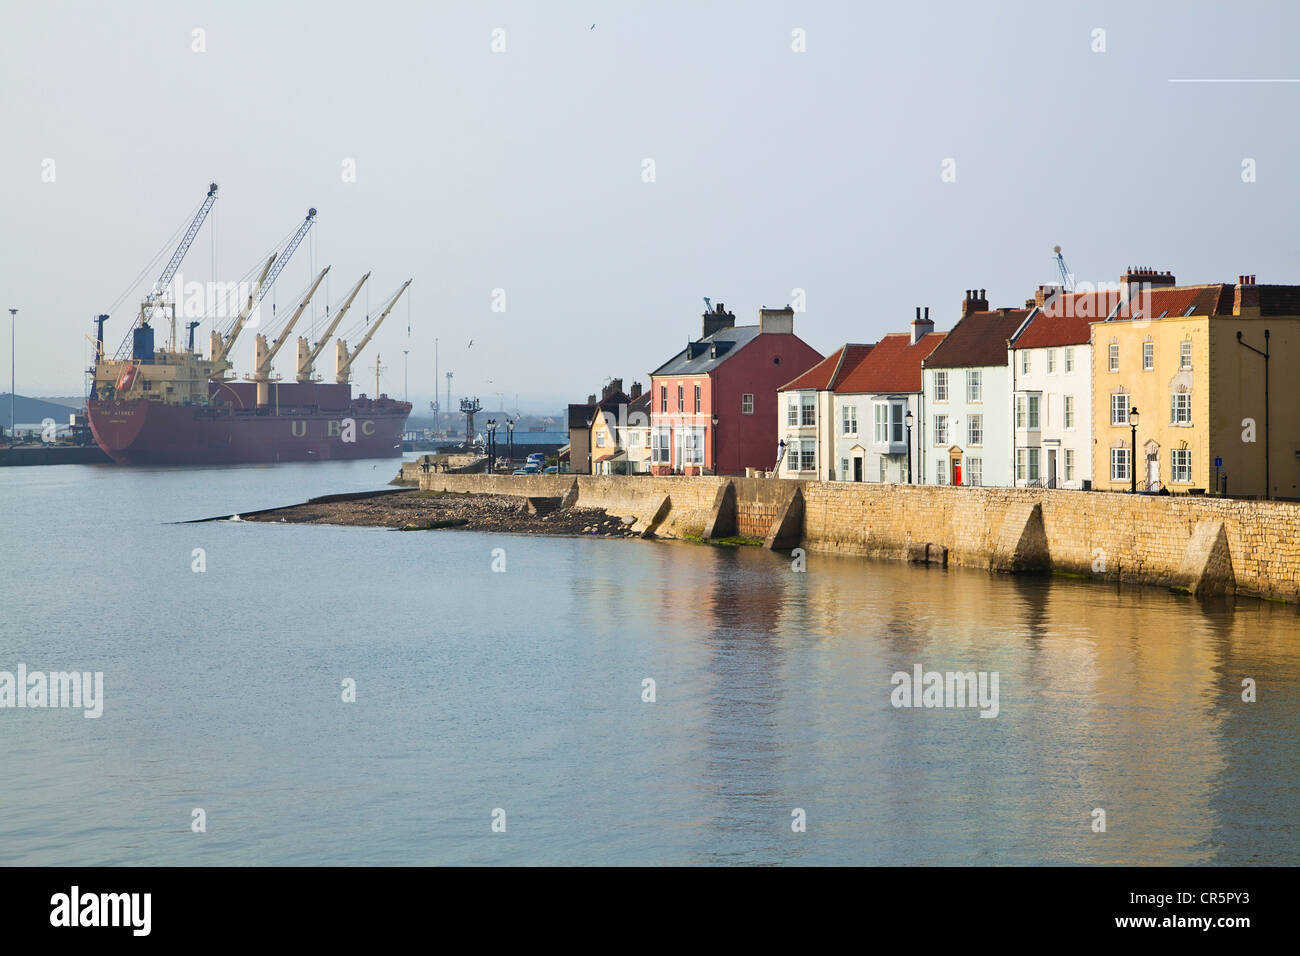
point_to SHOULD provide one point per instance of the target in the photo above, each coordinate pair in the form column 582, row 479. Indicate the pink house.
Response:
column 713, row 404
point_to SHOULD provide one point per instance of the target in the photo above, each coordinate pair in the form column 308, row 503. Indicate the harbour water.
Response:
column 522, row 690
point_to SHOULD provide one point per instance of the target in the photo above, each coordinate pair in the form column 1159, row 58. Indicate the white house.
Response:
column 873, row 402
column 966, row 399
column 1051, row 383
column 807, row 418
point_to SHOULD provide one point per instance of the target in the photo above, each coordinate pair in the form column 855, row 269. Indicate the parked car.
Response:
column 528, row 470
column 552, row 470
column 537, row 458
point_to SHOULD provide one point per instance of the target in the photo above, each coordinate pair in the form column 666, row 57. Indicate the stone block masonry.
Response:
column 1201, row 544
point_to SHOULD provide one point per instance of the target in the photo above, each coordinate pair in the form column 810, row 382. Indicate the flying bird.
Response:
column 593, row 26
column 471, row 344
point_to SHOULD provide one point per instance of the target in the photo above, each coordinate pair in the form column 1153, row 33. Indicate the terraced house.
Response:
column 966, row 399
column 1184, row 397
column 877, row 401
column 808, row 419
column 1051, row 381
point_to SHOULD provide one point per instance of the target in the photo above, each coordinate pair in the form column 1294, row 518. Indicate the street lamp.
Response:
column 908, row 419
column 13, row 322
column 510, row 441
column 715, row 444
column 1268, row 484
column 1133, row 455
column 492, row 445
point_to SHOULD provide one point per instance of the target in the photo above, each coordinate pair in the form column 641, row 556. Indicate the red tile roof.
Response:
column 894, row 365
column 830, row 370
column 1048, row 328
column 978, row 341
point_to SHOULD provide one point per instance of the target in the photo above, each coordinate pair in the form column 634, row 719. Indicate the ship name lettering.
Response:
column 367, row 428
column 334, row 429
column 298, row 428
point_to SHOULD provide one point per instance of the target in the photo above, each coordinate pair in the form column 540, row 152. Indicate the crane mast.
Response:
column 307, row 355
column 344, row 358
column 263, row 356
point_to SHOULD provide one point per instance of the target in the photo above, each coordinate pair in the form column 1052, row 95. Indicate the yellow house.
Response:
column 1204, row 417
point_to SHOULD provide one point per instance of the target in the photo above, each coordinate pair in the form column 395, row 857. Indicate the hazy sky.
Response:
column 522, row 170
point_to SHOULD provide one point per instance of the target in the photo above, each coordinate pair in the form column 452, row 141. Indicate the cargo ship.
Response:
column 164, row 406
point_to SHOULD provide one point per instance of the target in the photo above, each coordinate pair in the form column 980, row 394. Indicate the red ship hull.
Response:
column 305, row 422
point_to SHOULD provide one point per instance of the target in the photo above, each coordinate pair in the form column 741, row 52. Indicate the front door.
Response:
column 1153, row 473
column 857, row 467
column 1051, row 467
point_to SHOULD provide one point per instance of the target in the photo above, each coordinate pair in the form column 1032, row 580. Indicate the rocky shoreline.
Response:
column 412, row 510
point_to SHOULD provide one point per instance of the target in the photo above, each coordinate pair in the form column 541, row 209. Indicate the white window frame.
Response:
column 941, row 385
column 849, row 420
column 1185, row 354
column 807, row 411
column 1112, row 353
column 1180, row 466
column 974, row 385
column 747, row 403
column 1180, row 408
column 975, row 430
column 1121, row 464
column 1068, row 410
column 1148, row 356
column 1069, row 358
column 941, row 429
column 974, row 472
column 1119, row 411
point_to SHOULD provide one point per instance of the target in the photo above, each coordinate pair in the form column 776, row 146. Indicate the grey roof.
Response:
column 696, row 360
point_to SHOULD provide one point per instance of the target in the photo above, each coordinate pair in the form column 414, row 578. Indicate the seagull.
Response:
column 593, row 26
column 471, row 344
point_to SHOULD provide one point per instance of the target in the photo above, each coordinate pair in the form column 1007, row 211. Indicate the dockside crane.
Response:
column 344, row 358
column 264, row 356
column 307, row 355
column 221, row 345
column 1067, row 277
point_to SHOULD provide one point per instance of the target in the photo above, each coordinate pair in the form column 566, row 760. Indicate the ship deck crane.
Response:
column 157, row 295
column 307, row 355
column 345, row 358
column 221, row 345
column 264, row 356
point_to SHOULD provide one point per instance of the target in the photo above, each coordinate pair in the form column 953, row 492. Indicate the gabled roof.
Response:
column 978, row 341
column 1054, row 327
column 830, row 371
column 698, row 357
column 894, row 365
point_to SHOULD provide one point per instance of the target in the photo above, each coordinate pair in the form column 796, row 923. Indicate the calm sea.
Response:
column 521, row 691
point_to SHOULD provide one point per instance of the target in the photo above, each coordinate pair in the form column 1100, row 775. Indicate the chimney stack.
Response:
column 1245, row 297
column 591, row 399
column 1132, row 281
column 974, row 302
column 717, row 320
column 776, row 320
column 921, row 327
column 636, row 390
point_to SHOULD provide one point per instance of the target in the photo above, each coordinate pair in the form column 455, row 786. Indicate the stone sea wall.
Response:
column 1200, row 544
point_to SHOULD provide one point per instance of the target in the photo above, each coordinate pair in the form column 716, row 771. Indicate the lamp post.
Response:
column 1133, row 455
column 492, row 444
column 715, row 444
column 1268, row 484
column 13, row 322
column 908, row 419
column 510, row 441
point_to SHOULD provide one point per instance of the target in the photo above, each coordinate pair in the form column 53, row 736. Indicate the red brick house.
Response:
column 713, row 404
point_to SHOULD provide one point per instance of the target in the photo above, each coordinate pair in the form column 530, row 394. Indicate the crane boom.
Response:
column 307, row 356
column 345, row 358
column 284, row 257
column 169, row 273
column 221, row 344
column 265, row 365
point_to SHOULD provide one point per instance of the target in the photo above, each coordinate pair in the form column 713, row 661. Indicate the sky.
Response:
column 564, row 197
